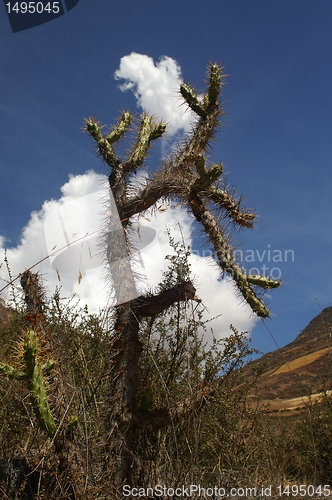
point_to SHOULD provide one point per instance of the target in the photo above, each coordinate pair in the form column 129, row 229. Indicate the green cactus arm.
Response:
column 91, row 125
column 11, row 372
column 104, row 145
column 142, row 145
column 263, row 281
column 209, row 176
column 146, row 135
column 158, row 131
column 36, row 383
column 200, row 165
column 30, row 353
column 192, row 100
column 39, row 402
column 232, row 207
column 107, row 152
column 49, row 365
column 224, row 255
column 214, row 86
column 120, row 129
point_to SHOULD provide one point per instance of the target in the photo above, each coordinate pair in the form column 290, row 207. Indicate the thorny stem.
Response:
column 186, row 178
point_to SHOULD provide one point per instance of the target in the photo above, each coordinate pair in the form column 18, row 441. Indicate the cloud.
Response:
column 78, row 217
column 70, row 230
column 49, row 231
column 156, row 88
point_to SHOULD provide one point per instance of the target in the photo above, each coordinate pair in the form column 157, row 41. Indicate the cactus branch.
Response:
column 120, row 129
column 262, row 281
column 206, row 177
column 33, row 374
column 214, row 86
column 224, row 256
column 11, row 372
column 146, row 135
column 227, row 202
column 192, row 100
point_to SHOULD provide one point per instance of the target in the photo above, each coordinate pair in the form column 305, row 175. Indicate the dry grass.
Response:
column 300, row 362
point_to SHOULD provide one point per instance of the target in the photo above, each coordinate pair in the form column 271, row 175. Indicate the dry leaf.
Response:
column 80, row 277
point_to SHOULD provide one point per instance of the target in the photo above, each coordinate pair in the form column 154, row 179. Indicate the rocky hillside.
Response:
column 303, row 366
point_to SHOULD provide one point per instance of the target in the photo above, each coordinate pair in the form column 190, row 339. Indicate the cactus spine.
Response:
column 33, row 373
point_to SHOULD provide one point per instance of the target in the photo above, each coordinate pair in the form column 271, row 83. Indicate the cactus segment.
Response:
column 34, row 375
column 39, row 402
column 200, row 165
column 158, row 131
column 36, row 383
column 93, row 128
column 136, row 159
column 146, row 134
column 262, row 281
column 104, row 145
column 107, row 152
column 214, row 85
column 208, row 177
column 120, row 129
column 11, row 372
column 192, row 100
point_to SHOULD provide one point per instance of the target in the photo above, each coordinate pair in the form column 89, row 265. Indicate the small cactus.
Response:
column 33, row 373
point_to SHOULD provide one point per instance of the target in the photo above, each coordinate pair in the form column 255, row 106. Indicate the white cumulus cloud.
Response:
column 156, row 88
column 78, row 218
column 65, row 235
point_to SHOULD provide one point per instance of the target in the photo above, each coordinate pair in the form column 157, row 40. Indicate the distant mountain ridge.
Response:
column 301, row 367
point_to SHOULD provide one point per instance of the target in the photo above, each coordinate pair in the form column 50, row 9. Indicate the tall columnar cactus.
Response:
column 185, row 178
column 33, row 374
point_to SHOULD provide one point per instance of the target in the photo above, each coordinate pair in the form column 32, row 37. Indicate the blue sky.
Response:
column 276, row 140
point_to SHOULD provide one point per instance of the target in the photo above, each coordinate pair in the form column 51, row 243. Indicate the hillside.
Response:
column 299, row 368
